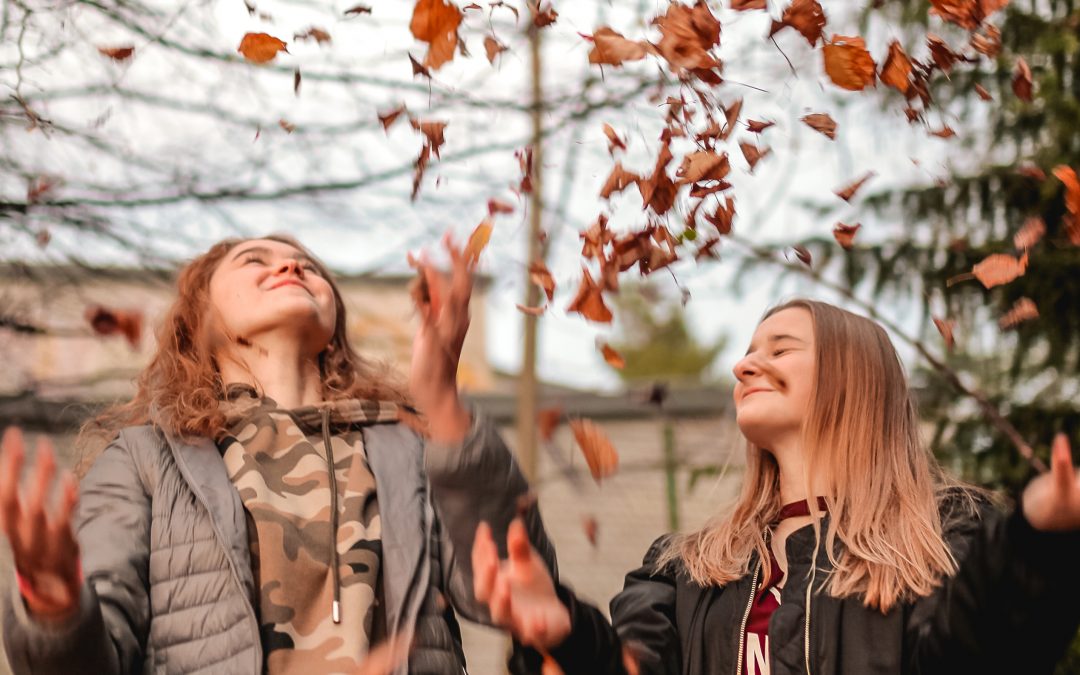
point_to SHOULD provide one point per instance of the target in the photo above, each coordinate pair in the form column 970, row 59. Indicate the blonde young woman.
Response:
column 259, row 506
column 847, row 551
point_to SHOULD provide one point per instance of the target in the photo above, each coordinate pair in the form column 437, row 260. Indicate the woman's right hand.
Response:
column 43, row 544
column 518, row 591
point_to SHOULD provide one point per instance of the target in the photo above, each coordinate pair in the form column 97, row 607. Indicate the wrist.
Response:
column 448, row 420
column 47, row 607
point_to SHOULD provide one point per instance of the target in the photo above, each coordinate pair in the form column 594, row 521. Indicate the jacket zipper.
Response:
column 335, row 608
column 745, row 618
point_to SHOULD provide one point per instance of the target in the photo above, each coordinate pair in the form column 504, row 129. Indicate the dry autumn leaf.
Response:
column 944, row 132
column 436, row 23
column 288, row 126
column 41, row 188
column 752, row 154
column 499, row 206
column 613, row 358
column 723, row 217
column 542, row 17
column 1072, row 202
column 493, row 48
column 613, row 140
column 356, row 10
column 999, row 268
column 848, row 64
column 617, row 181
column 822, row 123
column 805, row 16
column 547, row 421
column 967, row 14
column 703, row 165
column 687, row 34
column 757, row 127
column 611, row 48
column 846, row 193
column 1021, row 80
column 540, row 275
column 433, row 131
column 319, row 35
column 117, row 53
column 599, row 453
column 1023, row 310
column 943, row 56
column 531, row 311
column 983, row 93
column 387, row 119
column 803, row 254
column 1029, row 234
column 988, row 41
column 478, row 240
column 744, row 5
column 896, row 71
column 945, row 327
column 845, row 234
column 106, row 321
column 591, row 529
column 589, row 301
column 260, row 47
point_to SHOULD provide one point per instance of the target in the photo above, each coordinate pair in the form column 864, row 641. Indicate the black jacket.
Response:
column 1013, row 607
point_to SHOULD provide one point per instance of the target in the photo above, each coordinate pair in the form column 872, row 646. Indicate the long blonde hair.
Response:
column 862, row 441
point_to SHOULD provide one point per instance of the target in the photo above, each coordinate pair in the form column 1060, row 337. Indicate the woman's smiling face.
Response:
column 775, row 378
column 265, row 286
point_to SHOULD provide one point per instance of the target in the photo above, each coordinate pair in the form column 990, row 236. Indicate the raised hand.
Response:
column 443, row 304
column 43, row 544
column 518, row 591
column 1052, row 501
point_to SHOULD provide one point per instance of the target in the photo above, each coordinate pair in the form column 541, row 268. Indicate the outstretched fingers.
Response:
column 1061, row 465
column 12, row 452
column 485, row 561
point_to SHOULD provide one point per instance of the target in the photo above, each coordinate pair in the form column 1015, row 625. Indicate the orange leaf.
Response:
column 943, row 56
column 547, row 420
column 744, row 5
column 541, row 276
column 687, row 34
column 260, row 47
column 822, row 123
column 105, row 321
column 317, row 34
column 988, row 42
column 757, row 127
column 599, row 453
column 493, row 48
column 1023, row 310
column 433, row 131
column 724, row 215
column 752, row 154
column 542, row 18
column 498, row 206
column 848, row 64
column 436, row 23
column 613, row 139
column 591, row 528
column 589, row 301
column 387, row 119
column 478, row 240
column 945, row 327
column 896, row 72
column 117, row 53
column 613, row 358
column 846, row 193
column 999, row 268
column 531, row 311
column 703, row 165
column 288, row 126
column 1072, row 202
column 805, row 16
column 618, row 181
column 1021, row 81
column 611, row 48
column 1030, row 233
column 845, row 234
column 983, row 93
column 944, row 132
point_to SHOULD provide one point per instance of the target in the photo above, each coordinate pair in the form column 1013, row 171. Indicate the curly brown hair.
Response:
column 181, row 388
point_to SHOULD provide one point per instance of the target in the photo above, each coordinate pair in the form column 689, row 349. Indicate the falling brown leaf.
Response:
column 618, row 181
column 589, row 301
column 613, row 139
column 988, row 41
column 1072, row 202
column 542, row 17
column 1029, row 234
column 822, row 123
column 498, row 206
column 596, row 238
column 983, row 93
column 319, row 35
column 611, row 48
column 493, row 48
column 117, row 53
column 613, row 358
column 387, row 119
column 999, row 268
column 944, row 132
column 541, row 276
column 433, row 131
column 945, row 327
column 943, row 56
column 418, row 68
column 723, row 217
column 599, row 453
column 478, row 240
column 757, row 127
column 356, row 10
column 803, row 254
column 703, row 165
column 106, row 321
column 289, row 127
column 1021, row 81
column 967, row 14
column 1023, row 310
column 896, row 72
column 41, row 188
column 805, row 16
column 845, row 234
column 731, row 115
column 525, row 161
column 296, row 82
column 531, row 311
column 752, row 154
column 846, row 193
column 547, row 420
column 1031, row 171
column 260, row 47
column 436, row 23
column 591, row 529
column 687, row 34
column 419, row 168
column 744, row 5
column 848, row 64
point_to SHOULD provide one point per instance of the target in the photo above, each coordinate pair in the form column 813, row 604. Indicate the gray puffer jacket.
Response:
column 168, row 580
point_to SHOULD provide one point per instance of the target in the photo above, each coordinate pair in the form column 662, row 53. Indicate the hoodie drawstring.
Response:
column 336, row 607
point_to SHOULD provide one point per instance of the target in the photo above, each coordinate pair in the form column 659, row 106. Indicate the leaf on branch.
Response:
column 757, row 127
column 805, row 16
column 436, row 23
column 611, row 48
column 387, row 119
column 724, row 215
column 493, row 48
column 478, row 240
column 896, row 71
column 846, row 193
column 1023, row 310
column 540, row 275
column 848, row 64
column 525, row 161
column 999, row 268
column 589, row 301
column 845, row 234
column 822, row 123
column 945, row 327
column 260, row 47
column 106, row 321
column 599, row 453
column 1029, row 234
column 613, row 358
column 117, row 53
column 319, row 35
column 1021, row 80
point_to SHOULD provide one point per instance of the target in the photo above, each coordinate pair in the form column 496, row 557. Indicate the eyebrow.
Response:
column 776, row 338
column 264, row 249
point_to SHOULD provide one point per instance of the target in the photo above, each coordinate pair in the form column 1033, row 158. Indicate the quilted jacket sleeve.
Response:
column 108, row 634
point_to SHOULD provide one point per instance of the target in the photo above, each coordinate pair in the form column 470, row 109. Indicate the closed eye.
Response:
column 778, row 352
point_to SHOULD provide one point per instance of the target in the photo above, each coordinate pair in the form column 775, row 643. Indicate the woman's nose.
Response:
column 291, row 266
column 744, row 367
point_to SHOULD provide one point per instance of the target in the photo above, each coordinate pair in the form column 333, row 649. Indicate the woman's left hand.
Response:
column 1051, row 501
column 443, row 306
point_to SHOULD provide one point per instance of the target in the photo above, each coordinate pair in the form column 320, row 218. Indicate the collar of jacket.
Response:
column 395, row 455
